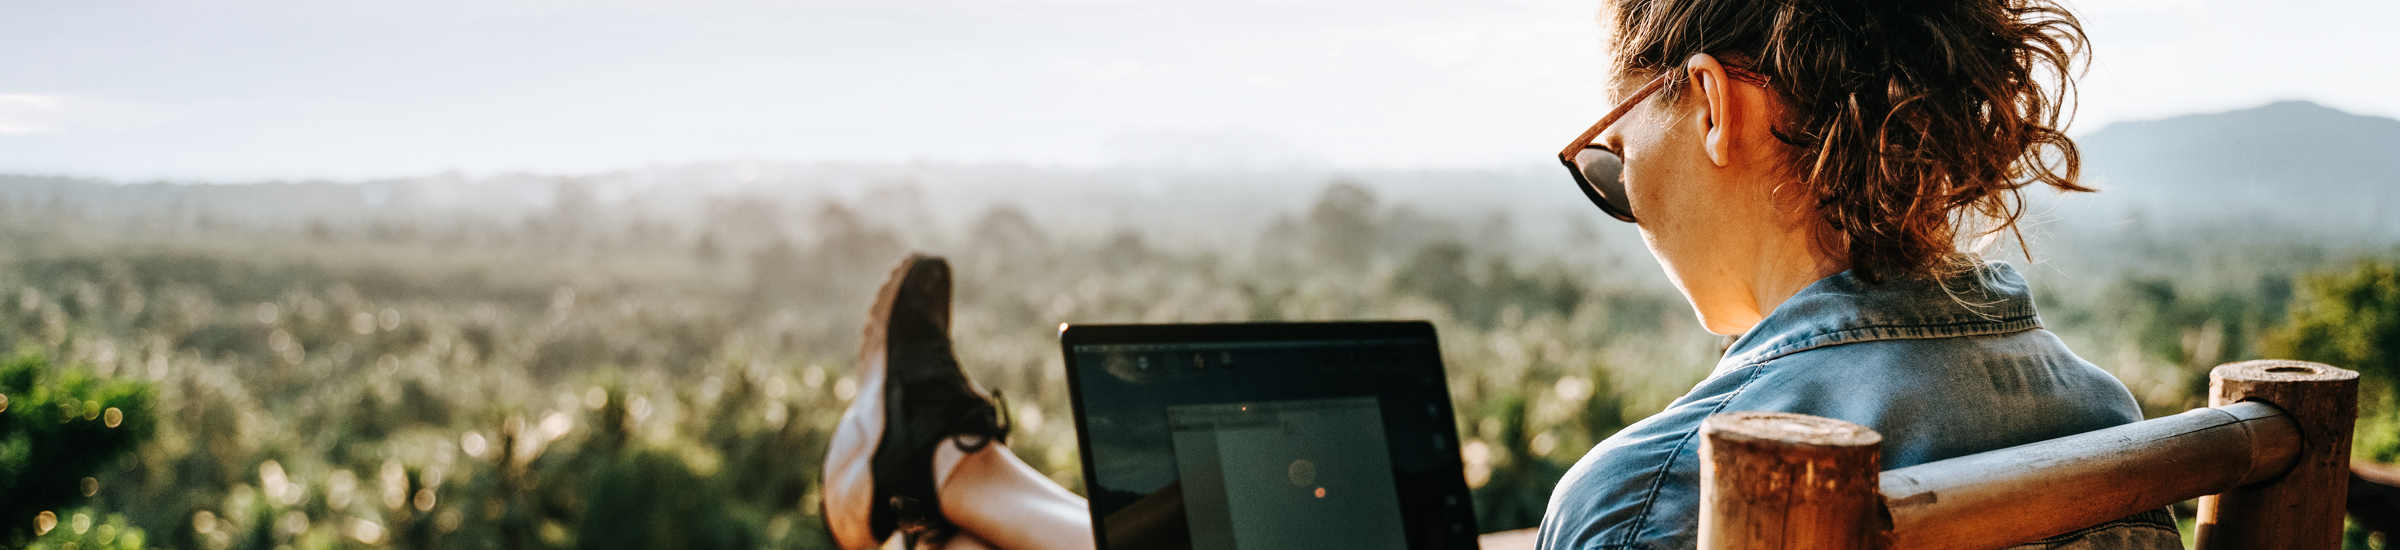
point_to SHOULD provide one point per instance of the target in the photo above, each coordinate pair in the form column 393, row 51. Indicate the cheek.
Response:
column 1671, row 196
column 1664, row 225
column 1646, row 188
column 1668, row 172
column 1662, row 197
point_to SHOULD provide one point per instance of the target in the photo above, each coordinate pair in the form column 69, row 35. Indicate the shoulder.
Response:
column 1639, row 488
column 1936, row 398
column 2030, row 363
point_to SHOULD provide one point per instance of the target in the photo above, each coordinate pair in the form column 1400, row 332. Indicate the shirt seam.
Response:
column 1658, row 478
column 1854, row 335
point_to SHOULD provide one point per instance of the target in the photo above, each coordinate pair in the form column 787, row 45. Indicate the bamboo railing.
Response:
column 2269, row 460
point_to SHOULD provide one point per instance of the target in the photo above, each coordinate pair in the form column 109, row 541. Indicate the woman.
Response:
column 1805, row 172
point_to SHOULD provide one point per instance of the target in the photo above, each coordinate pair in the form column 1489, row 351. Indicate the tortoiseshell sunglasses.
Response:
column 1600, row 171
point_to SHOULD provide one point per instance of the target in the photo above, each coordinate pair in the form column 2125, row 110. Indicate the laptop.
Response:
column 1259, row 436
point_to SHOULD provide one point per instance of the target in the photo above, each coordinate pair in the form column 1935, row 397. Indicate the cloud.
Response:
column 31, row 113
column 166, row 87
column 1122, row 71
column 1218, row 148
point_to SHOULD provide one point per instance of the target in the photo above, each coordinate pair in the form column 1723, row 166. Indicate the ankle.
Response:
column 948, row 455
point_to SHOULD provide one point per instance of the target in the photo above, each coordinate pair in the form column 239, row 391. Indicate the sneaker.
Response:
column 911, row 398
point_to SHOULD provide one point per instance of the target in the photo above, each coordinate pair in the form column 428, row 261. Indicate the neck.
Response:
column 1782, row 276
column 1784, row 263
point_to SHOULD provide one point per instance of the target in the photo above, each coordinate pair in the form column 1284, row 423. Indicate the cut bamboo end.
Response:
column 2281, row 370
column 1788, row 429
column 1788, row 481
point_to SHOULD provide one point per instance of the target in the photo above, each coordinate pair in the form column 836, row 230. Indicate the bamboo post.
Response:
column 1788, row 481
column 2302, row 508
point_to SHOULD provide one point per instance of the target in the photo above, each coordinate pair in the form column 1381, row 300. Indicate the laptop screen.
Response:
column 1264, row 436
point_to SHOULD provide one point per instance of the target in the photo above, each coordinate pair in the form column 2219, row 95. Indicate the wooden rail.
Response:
column 2269, row 460
column 1995, row 499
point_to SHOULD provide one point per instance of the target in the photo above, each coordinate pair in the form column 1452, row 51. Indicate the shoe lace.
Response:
column 983, row 427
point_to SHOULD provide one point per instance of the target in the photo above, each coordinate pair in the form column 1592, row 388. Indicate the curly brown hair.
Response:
column 1915, row 124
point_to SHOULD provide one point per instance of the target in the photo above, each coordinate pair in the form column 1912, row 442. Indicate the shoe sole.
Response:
column 875, row 340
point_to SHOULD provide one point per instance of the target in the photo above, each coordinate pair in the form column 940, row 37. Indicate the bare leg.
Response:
column 1521, row 539
column 967, row 541
column 1000, row 503
column 1005, row 504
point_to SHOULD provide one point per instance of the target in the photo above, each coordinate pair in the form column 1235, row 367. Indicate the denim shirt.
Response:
column 1941, row 369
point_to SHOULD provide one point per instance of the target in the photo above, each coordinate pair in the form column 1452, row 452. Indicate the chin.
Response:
column 1721, row 323
column 1718, row 324
column 1722, row 327
column 1726, row 321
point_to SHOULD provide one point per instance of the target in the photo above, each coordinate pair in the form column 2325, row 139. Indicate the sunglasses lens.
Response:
column 1604, row 174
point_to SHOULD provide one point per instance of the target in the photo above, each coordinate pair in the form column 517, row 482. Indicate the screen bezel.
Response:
column 1072, row 335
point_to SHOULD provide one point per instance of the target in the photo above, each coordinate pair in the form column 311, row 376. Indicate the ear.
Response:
column 1721, row 116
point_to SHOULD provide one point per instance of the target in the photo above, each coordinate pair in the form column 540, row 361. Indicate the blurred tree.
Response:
column 1280, row 245
column 1549, row 289
column 1439, row 272
column 707, row 251
column 2349, row 320
column 852, row 252
column 1604, row 412
column 1124, row 250
column 86, row 529
column 59, row 429
column 653, row 498
column 1519, row 491
column 2352, row 320
column 574, row 207
column 1006, row 240
column 778, row 272
column 745, row 217
column 1342, row 226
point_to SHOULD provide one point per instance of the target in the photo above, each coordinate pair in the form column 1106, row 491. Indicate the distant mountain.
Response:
column 2291, row 163
column 1171, row 207
column 2282, row 167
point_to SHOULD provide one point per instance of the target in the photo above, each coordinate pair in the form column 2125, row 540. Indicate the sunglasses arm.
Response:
column 1583, row 141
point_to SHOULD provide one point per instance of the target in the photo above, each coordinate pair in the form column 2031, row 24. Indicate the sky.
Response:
column 241, row 90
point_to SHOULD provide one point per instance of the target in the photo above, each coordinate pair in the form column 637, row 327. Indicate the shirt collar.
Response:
column 1989, row 299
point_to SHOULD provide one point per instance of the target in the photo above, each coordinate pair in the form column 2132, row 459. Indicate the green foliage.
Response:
column 1526, row 455
column 2348, row 319
column 1342, row 227
column 86, row 529
column 2351, row 319
column 653, row 498
column 2377, row 435
column 2353, row 538
column 59, row 428
column 1446, row 273
column 1518, row 492
column 2162, row 328
column 593, row 378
